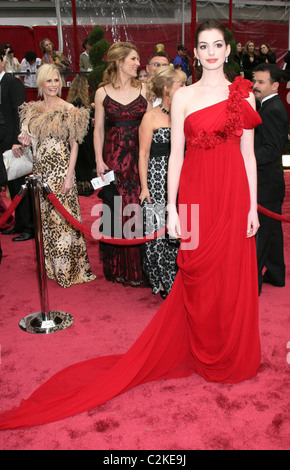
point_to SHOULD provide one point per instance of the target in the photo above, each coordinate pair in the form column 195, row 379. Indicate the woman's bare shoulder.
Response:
column 183, row 96
column 100, row 94
column 149, row 118
column 187, row 91
column 252, row 100
column 144, row 89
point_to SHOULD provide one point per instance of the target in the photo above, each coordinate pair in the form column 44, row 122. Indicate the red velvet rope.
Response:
column 11, row 208
column 135, row 241
column 106, row 239
column 114, row 241
column 273, row 215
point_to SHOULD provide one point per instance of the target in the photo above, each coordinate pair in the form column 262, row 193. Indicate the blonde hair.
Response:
column 180, row 76
column 159, row 48
column 118, row 52
column 246, row 50
column 163, row 76
column 79, row 89
column 45, row 72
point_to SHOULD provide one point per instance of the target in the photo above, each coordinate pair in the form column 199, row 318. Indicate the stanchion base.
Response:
column 55, row 321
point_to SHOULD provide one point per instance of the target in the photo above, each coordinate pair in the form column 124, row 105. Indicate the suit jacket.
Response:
column 85, row 63
column 270, row 140
column 12, row 96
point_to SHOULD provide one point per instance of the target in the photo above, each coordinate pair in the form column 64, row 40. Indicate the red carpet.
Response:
column 167, row 415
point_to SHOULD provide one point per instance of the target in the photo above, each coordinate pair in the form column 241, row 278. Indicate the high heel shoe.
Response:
column 163, row 294
column 135, row 283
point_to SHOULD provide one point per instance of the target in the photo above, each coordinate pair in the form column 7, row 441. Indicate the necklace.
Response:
column 164, row 110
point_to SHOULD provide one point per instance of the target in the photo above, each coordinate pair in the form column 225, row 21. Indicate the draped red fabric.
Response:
column 209, row 322
column 145, row 36
column 21, row 38
column 161, row 351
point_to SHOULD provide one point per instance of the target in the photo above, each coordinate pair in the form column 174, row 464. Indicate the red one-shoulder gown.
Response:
column 209, row 322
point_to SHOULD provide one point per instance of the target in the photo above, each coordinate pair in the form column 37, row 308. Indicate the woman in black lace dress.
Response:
column 159, row 261
column 120, row 104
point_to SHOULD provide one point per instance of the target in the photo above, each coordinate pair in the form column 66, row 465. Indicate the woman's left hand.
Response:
column 253, row 223
column 17, row 150
column 24, row 139
column 67, row 185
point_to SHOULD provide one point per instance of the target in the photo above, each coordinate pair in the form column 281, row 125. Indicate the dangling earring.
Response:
column 227, row 59
column 198, row 62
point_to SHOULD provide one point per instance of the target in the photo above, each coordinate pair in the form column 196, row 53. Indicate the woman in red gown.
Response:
column 208, row 324
column 120, row 103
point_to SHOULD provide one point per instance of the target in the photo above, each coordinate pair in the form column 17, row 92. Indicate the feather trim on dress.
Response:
column 60, row 122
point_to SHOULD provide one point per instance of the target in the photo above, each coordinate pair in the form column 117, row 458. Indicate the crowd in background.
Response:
column 247, row 57
column 30, row 63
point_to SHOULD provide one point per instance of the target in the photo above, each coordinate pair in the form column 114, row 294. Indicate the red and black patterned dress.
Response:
column 121, row 153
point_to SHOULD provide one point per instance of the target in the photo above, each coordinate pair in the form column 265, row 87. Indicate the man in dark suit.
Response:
column 12, row 94
column 270, row 139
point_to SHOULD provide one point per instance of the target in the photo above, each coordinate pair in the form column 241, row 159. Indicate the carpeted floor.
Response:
column 167, row 415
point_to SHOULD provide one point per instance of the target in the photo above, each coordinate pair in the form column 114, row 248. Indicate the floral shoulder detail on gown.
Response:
column 238, row 90
column 61, row 122
column 234, row 122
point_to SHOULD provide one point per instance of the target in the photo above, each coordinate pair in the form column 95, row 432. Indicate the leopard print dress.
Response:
column 65, row 251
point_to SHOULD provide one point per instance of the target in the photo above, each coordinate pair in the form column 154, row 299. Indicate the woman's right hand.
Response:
column 101, row 168
column 173, row 222
column 145, row 195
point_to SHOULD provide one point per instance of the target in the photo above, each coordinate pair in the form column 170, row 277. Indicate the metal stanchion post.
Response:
column 46, row 321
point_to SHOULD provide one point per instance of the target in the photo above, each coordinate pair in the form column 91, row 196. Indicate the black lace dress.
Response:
column 159, row 256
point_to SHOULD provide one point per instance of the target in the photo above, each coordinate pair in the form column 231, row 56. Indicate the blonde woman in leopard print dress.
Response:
column 54, row 128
